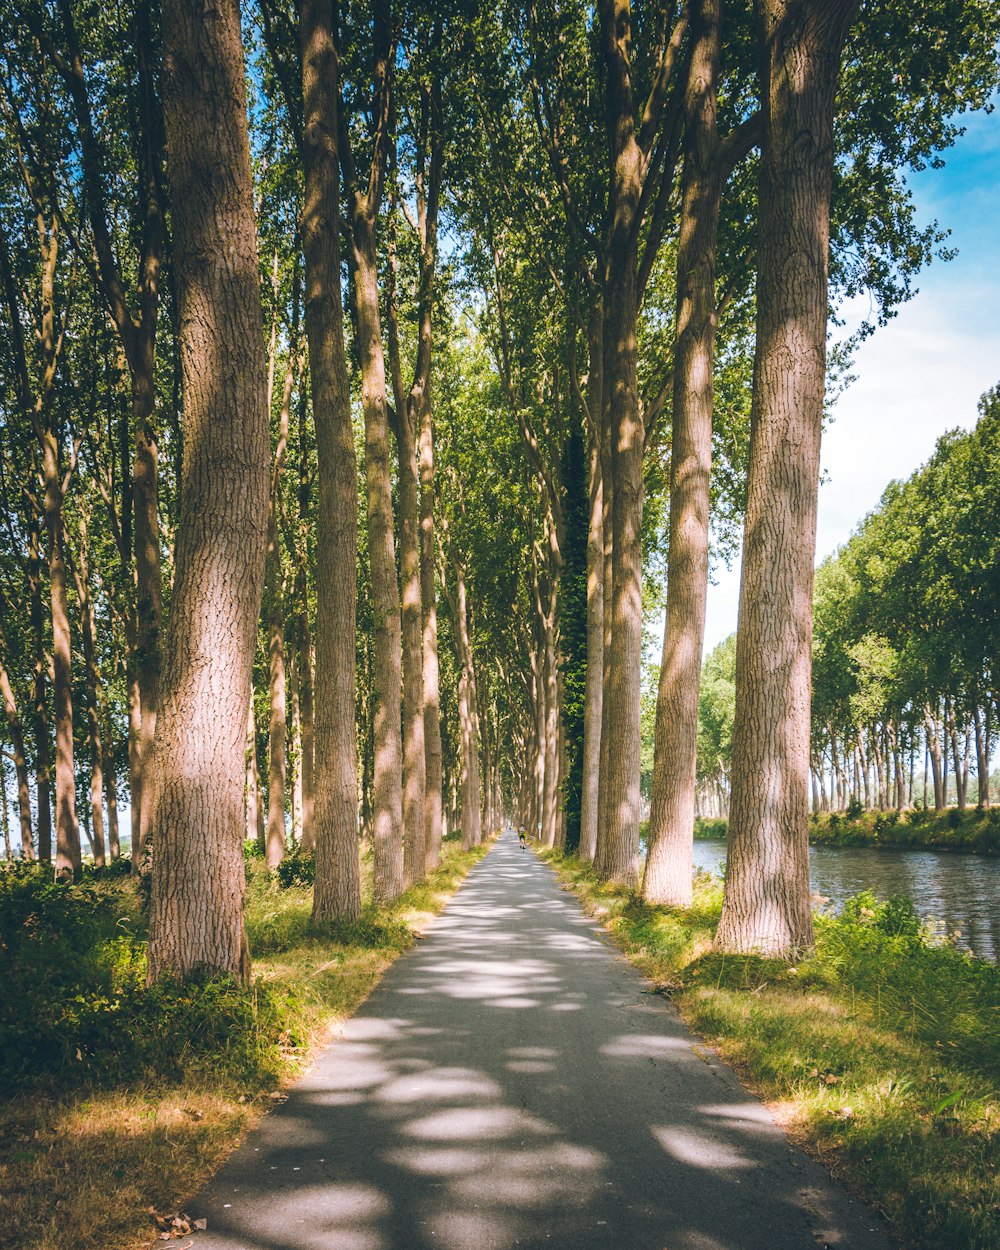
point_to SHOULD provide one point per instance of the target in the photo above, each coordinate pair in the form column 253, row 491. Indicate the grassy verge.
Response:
column 919, row 829
column 126, row 1098
column 880, row 1052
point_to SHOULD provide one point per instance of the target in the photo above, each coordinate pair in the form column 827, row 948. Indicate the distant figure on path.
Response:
column 522, row 837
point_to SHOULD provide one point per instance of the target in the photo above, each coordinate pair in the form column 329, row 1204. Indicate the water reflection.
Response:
column 960, row 891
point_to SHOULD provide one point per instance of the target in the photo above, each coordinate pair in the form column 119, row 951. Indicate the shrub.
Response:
column 954, row 818
column 895, row 917
column 297, row 868
column 855, row 809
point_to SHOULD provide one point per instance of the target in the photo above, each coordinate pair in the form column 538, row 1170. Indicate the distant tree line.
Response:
column 905, row 695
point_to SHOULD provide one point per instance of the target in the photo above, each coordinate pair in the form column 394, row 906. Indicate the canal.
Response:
column 958, row 890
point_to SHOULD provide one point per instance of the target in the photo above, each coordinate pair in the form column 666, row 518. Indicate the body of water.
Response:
column 960, row 891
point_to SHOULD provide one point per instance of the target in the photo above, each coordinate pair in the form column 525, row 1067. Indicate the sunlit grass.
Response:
column 880, row 1054
column 80, row 1166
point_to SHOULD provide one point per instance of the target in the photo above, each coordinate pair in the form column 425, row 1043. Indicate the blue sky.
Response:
column 921, row 374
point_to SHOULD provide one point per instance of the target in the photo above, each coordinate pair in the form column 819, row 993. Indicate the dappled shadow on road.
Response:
column 511, row 1085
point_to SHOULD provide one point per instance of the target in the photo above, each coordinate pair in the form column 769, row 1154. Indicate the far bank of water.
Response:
column 960, row 891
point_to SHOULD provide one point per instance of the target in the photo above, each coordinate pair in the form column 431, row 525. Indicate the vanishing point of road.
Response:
column 512, row 1083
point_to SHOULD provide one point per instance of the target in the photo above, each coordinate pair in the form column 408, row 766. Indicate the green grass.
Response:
column 880, row 1051
column 971, row 830
column 118, row 1097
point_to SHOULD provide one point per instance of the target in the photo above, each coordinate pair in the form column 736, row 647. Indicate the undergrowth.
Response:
column 115, row 1097
column 880, row 1050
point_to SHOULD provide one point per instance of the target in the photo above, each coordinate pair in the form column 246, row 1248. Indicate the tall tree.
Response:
column 337, row 893
column 365, row 187
column 196, row 807
column 766, row 905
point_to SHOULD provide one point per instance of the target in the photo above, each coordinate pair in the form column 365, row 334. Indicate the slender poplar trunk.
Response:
column 88, row 631
column 337, row 894
column 68, row 859
column 428, row 600
column 594, row 691
column 40, row 707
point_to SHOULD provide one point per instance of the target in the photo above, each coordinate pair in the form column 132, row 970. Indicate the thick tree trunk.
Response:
column 195, row 803
column 766, row 906
column 337, row 894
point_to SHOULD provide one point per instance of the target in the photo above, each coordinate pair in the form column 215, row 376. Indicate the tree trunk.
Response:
column 39, row 711
column 68, row 861
column 668, row 876
column 387, row 667
column 277, row 686
column 934, row 749
column 468, row 719
column 88, row 631
column 766, row 906
column 428, row 600
column 594, row 690
column 195, row 803
column 337, row 894
column 16, row 731
column 412, row 644
column 110, row 780
column 982, row 760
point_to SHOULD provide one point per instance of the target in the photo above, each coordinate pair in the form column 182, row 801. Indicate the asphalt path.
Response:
column 513, row 1083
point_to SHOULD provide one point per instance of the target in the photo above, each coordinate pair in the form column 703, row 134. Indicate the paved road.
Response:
column 508, row 1085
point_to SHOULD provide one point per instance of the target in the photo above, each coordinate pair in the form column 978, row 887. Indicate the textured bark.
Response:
column 364, row 197
column 468, row 718
column 337, row 894
column 766, row 906
column 303, row 635
column 16, row 731
column 619, row 861
column 668, row 875
column 428, row 601
column 414, row 759
column 68, row 862
column 387, row 666
column 195, row 803
column 594, row 690
column 278, row 720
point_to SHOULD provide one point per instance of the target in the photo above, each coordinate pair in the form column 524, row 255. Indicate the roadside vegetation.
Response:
column 917, row 829
column 879, row 1051
column 120, row 1097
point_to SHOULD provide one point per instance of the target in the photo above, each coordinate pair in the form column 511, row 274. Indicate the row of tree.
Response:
column 907, row 615
column 601, row 236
